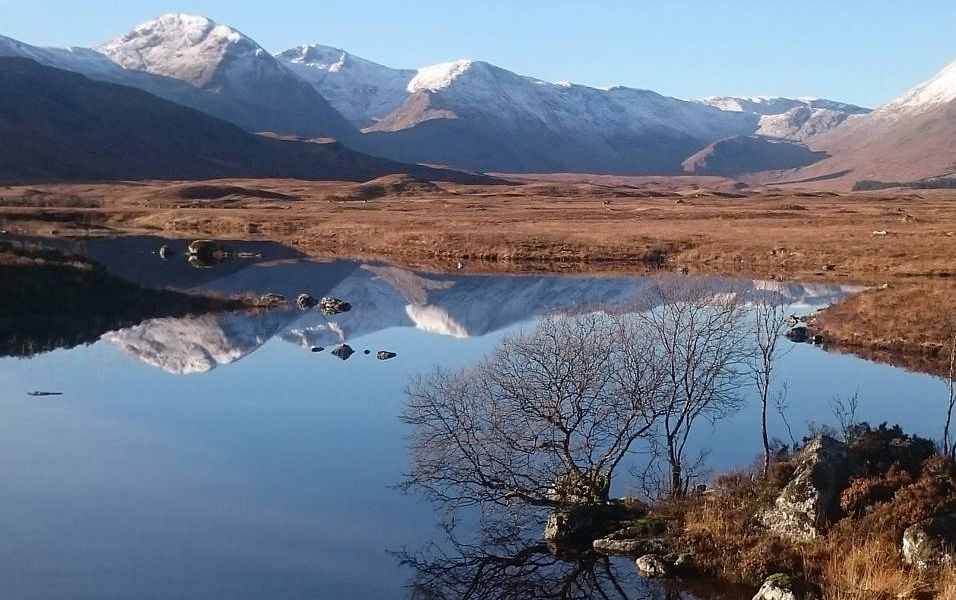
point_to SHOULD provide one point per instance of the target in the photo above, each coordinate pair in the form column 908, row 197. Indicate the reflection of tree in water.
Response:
column 513, row 565
column 538, row 430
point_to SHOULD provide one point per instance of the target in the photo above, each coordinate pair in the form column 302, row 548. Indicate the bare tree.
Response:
column 949, row 446
column 845, row 413
column 769, row 322
column 699, row 341
column 544, row 421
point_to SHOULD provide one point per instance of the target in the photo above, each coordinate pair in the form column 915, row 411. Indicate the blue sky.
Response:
column 859, row 51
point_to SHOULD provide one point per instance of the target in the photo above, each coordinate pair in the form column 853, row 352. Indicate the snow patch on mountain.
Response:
column 186, row 47
column 362, row 90
column 438, row 77
column 941, row 89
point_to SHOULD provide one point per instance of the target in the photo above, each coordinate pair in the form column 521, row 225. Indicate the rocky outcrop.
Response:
column 810, row 502
column 931, row 542
column 784, row 587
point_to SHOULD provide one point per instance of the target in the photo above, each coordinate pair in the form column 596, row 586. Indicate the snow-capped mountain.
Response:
column 797, row 119
column 362, row 90
column 938, row 91
column 475, row 115
column 776, row 105
column 303, row 112
column 466, row 114
column 910, row 138
column 220, row 59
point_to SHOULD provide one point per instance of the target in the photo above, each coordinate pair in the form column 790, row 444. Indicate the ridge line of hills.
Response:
column 475, row 116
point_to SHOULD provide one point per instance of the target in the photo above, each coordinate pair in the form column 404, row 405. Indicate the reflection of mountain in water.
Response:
column 201, row 343
column 383, row 297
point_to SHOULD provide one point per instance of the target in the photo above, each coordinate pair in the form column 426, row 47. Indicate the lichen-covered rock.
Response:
column 931, row 542
column 784, row 587
column 569, row 526
column 810, row 502
column 630, row 541
column 578, row 489
column 653, row 566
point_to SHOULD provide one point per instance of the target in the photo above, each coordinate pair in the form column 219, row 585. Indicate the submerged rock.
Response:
column 305, row 301
column 385, row 355
column 333, row 306
column 931, row 542
column 809, row 503
column 344, row 352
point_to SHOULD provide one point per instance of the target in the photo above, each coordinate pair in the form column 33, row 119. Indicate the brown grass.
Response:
column 610, row 223
column 868, row 569
column 574, row 223
column 904, row 320
column 859, row 558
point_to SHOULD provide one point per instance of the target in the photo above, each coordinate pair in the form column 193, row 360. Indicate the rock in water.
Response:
column 317, row 348
column 344, row 352
column 306, row 301
column 653, row 565
column 568, row 525
column 270, row 300
column 333, row 306
column 386, row 355
column 810, row 502
column 785, row 587
column 931, row 542
column 799, row 334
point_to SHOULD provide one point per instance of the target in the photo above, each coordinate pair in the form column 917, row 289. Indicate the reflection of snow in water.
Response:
column 432, row 319
column 386, row 297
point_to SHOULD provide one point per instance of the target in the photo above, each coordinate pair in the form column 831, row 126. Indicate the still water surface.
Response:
column 219, row 457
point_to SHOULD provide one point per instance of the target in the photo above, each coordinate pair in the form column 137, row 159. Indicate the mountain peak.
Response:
column 938, row 90
column 440, row 76
column 316, row 55
column 187, row 47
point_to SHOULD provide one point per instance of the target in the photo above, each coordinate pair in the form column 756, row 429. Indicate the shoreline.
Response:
column 902, row 240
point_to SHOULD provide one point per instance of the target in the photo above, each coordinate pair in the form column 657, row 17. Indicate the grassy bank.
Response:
column 899, row 480
column 910, row 324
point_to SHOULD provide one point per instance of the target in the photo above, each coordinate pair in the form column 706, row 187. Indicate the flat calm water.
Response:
column 220, row 457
